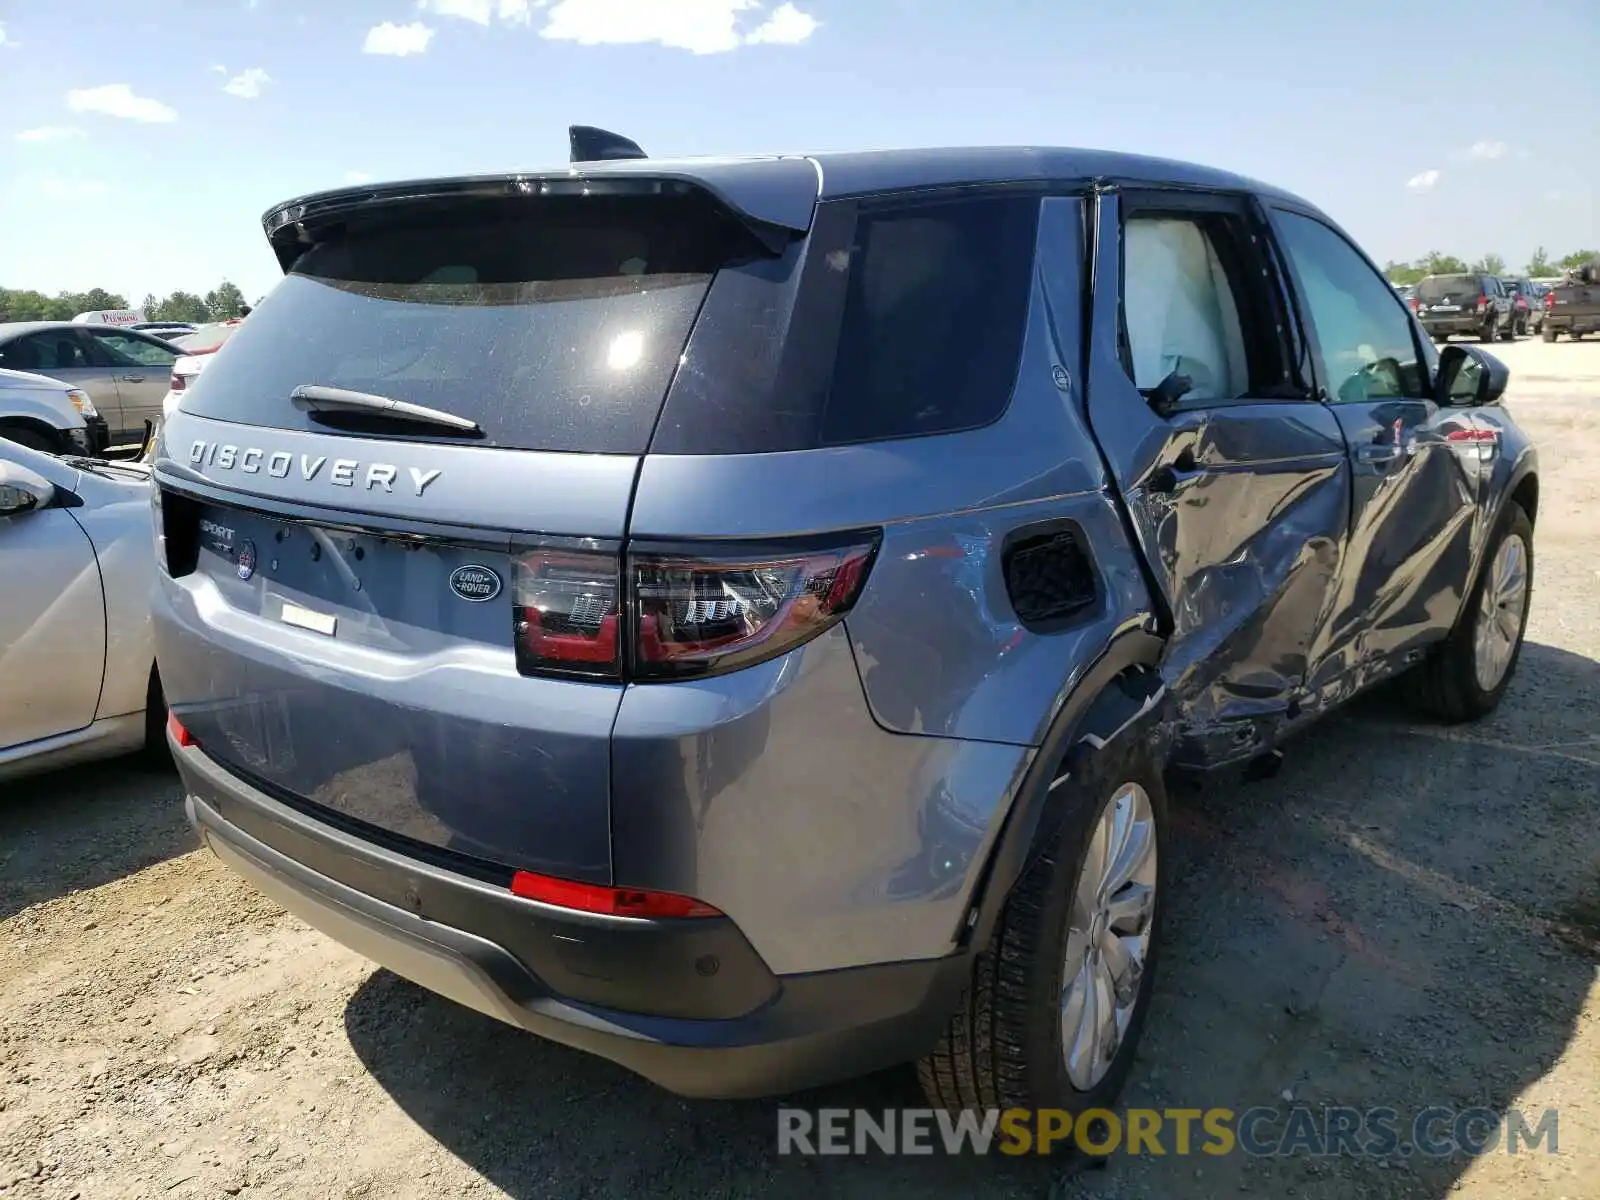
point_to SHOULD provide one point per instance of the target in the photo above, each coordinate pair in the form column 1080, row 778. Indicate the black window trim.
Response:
column 1302, row 303
column 1261, row 271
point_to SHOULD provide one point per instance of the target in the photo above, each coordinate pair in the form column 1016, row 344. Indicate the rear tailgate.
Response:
column 339, row 624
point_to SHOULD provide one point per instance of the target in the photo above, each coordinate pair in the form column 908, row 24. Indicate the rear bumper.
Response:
column 719, row 1023
column 1465, row 323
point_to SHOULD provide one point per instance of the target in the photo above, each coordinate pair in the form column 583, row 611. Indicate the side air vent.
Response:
column 1048, row 576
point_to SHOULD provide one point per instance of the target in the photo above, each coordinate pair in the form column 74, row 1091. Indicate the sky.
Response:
column 141, row 140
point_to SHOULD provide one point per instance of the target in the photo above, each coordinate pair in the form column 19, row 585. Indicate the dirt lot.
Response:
column 1405, row 916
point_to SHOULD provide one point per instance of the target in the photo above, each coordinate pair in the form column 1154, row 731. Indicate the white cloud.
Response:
column 119, row 100
column 49, row 133
column 478, row 11
column 787, row 26
column 5, row 41
column 1487, row 149
column 398, row 40
column 1424, row 181
column 217, row 69
column 699, row 26
column 67, row 189
column 515, row 12
column 357, row 177
column 247, row 84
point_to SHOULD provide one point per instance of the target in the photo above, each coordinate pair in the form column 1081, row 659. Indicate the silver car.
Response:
column 125, row 373
column 76, row 553
column 46, row 414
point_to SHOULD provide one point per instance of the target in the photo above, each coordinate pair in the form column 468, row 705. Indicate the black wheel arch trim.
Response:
column 1120, row 688
column 1527, row 468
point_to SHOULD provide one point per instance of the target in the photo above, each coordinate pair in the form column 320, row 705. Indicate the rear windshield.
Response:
column 1441, row 286
column 555, row 324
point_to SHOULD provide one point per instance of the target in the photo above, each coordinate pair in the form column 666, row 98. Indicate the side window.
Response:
column 1364, row 336
column 935, row 306
column 1196, row 311
column 49, row 351
column 125, row 351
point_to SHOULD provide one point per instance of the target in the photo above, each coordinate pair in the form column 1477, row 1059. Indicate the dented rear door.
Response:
column 1238, row 490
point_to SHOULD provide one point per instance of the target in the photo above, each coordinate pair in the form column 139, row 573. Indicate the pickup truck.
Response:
column 1572, row 306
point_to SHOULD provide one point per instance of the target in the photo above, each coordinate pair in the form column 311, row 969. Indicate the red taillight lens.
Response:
column 1549, row 299
column 567, row 611
column 703, row 613
column 609, row 901
column 177, row 383
column 1483, row 303
column 179, row 734
column 1416, row 306
column 683, row 610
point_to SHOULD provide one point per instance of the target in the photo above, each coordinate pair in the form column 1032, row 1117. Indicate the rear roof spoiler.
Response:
column 774, row 197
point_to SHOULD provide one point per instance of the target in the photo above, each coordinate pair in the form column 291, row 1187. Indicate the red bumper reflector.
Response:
column 608, row 901
column 177, row 731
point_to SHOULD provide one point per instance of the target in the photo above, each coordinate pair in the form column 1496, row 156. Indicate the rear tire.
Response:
column 1464, row 676
column 1054, row 963
column 1547, row 334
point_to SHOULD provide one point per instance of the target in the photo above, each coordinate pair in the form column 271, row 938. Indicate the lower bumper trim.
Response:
column 820, row 1027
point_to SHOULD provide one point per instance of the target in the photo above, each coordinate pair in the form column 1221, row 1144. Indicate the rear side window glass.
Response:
column 1180, row 310
column 555, row 324
column 933, row 320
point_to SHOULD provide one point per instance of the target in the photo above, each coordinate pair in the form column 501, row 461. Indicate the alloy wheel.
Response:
column 1109, row 926
column 1500, row 610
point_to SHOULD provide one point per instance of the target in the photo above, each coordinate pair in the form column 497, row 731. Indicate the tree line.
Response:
column 1434, row 263
column 221, row 303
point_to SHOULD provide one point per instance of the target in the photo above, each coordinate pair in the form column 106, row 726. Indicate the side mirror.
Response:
column 23, row 491
column 1469, row 376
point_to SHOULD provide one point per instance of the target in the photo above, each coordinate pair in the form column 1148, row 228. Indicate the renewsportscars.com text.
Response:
column 1437, row 1132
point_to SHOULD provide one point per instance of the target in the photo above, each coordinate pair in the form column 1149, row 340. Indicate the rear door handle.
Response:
column 133, row 379
column 1378, row 452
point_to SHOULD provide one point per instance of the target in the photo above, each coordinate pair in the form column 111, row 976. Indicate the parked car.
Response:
column 1527, row 302
column 1572, row 306
column 165, row 330
column 75, row 551
column 124, row 372
column 47, row 415
column 197, row 348
column 762, row 665
column 1473, row 303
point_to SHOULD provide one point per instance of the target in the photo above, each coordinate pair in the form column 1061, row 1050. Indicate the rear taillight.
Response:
column 705, row 612
column 1549, row 300
column 681, row 610
column 177, row 732
column 177, row 383
column 1483, row 303
column 1416, row 306
column 567, row 611
column 608, row 901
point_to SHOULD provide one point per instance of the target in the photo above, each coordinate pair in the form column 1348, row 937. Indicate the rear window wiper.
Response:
column 317, row 399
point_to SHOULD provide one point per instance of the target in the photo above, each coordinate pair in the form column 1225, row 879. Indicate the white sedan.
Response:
column 77, row 663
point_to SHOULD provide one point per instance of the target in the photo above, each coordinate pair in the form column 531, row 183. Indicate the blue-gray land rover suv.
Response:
column 735, row 616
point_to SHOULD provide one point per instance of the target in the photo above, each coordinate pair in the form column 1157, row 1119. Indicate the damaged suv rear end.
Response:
column 508, row 553
column 734, row 616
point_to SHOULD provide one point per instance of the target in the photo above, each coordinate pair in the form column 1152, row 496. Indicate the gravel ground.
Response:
column 1406, row 915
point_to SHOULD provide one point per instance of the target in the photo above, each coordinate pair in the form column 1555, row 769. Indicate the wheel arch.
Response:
column 33, row 425
column 1121, row 689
